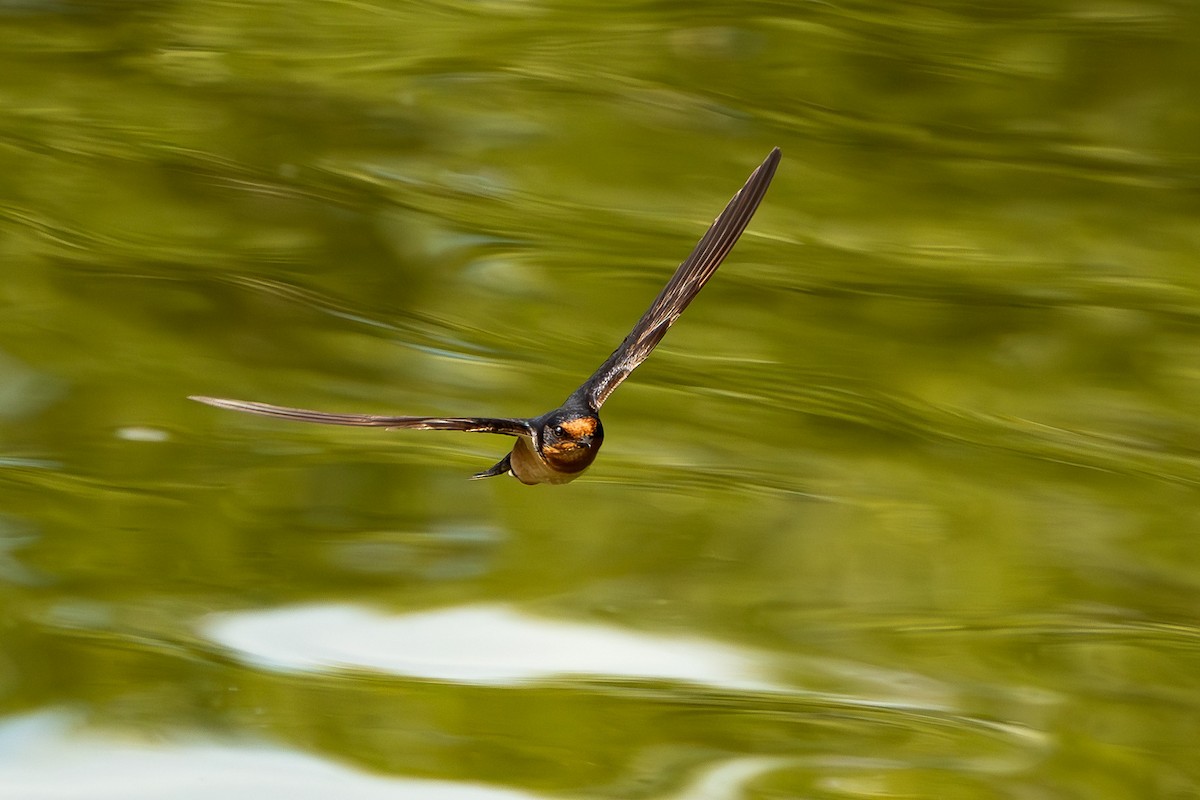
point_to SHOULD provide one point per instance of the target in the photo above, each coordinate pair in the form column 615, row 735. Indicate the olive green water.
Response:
column 924, row 455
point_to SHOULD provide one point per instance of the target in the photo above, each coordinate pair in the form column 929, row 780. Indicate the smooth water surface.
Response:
column 906, row 505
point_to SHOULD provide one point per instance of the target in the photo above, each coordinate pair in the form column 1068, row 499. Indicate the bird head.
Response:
column 569, row 440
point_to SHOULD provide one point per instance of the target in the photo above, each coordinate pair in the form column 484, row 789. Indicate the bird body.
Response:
column 562, row 462
column 559, row 445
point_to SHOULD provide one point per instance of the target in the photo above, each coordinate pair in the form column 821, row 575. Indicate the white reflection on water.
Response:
column 46, row 756
column 480, row 644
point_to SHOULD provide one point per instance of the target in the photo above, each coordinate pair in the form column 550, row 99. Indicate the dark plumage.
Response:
column 559, row 445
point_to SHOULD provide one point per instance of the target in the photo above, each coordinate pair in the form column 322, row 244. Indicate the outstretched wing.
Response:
column 508, row 427
column 687, row 281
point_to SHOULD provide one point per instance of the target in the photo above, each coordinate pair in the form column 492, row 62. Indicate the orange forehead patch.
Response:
column 584, row 426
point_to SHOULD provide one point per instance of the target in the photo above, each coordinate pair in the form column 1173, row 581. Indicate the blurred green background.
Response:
column 928, row 444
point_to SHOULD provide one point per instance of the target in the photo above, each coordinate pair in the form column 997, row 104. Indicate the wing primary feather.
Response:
column 684, row 285
column 505, row 426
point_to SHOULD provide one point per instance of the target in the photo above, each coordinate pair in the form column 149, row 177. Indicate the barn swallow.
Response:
column 560, row 444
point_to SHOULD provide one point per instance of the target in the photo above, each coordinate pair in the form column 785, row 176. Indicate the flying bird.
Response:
column 560, row 444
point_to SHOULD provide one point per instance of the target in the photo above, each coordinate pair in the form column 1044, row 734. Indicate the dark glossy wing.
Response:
column 688, row 279
column 508, row 427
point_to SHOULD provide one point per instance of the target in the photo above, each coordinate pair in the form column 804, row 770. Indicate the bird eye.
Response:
column 558, row 431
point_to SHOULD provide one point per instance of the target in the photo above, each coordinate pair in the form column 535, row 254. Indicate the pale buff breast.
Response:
column 530, row 468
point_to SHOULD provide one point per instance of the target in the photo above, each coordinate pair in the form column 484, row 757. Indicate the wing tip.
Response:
column 771, row 161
